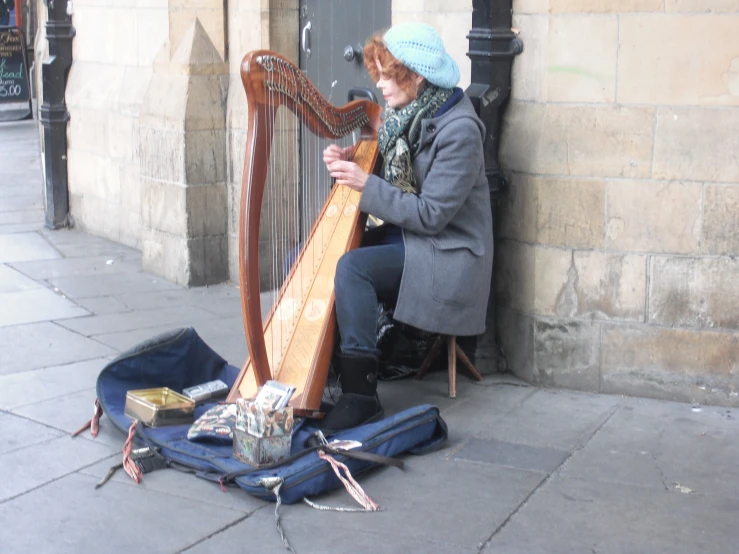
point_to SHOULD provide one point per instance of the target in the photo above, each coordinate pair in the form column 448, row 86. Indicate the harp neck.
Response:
column 271, row 80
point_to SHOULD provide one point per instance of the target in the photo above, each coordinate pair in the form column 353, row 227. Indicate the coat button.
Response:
column 431, row 128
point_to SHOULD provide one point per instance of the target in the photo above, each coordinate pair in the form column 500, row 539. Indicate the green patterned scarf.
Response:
column 399, row 134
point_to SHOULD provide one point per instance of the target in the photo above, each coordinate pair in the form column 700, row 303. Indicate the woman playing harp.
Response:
column 433, row 256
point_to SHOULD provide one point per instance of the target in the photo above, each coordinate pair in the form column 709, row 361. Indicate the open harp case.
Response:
column 294, row 225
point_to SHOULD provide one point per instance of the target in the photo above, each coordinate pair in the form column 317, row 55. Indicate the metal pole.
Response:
column 53, row 112
column 493, row 45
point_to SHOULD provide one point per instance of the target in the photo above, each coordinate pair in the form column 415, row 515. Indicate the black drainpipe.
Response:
column 53, row 112
column 493, row 45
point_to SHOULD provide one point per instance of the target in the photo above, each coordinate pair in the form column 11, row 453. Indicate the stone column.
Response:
column 182, row 143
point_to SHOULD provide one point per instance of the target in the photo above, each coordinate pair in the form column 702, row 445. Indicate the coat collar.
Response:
column 462, row 109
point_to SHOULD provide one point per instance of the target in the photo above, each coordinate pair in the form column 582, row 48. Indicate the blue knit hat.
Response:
column 418, row 47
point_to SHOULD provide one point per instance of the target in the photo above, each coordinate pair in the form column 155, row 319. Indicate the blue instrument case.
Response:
column 181, row 359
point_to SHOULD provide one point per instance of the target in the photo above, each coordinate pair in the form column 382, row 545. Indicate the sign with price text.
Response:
column 13, row 69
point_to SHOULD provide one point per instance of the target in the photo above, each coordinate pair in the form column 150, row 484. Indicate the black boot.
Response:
column 358, row 403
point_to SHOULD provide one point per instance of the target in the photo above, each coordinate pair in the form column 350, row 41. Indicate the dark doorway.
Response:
column 332, row 35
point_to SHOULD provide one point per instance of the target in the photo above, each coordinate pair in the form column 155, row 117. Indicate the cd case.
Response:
column 274, row 395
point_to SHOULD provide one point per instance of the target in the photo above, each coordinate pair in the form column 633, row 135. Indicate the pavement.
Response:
column 526, row 470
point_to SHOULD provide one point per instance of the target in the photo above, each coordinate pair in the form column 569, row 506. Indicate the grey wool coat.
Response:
column 447, row 228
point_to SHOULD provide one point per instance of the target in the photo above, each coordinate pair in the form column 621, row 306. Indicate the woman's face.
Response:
column 395, row 97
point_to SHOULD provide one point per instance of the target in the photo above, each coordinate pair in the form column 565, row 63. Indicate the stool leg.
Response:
column 466, row 361
column 430, row 357
column 452, row 360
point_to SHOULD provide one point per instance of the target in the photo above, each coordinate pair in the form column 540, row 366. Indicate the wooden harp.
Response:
column 294, row 343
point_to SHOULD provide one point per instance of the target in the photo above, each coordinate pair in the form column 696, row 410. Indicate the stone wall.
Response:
column 616, row 244
column 113, row 52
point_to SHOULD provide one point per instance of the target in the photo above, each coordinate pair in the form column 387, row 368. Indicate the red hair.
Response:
column 392, row 68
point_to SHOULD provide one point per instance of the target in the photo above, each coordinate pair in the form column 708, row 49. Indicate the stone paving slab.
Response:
column 70, row 412
column 111, row 520
column 38, row 345
column 432, row 500
column 14, row 281
column 127, row 339
column 712, row 416
column 66, row 413
column 18, row 228
column 433, row 389
column 102, row 305
column 509, row 454
column 30, row 387
column 569, row 515
column 22, row 202
column 180, row 316
column 227, row 307
column 540, row 420
column 102, row 285
column 36, row 465
column 32, row 306
column 72, row 243
column 19, row 432
column 69, row 267
column 25, row 247
column 229, row 344
column 178, row 484
column 482, row 408
column 224, row 299
column 147, row 300
column 31, row 216
column 662, row 453
column 17, row 187
column 316, row 534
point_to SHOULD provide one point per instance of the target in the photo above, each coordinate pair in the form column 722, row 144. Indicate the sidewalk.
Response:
column 526, row 470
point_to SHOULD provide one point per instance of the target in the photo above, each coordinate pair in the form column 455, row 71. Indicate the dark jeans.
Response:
column 365, row 277
column 4, row 20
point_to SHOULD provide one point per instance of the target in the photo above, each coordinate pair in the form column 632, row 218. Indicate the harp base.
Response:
column 311, row 414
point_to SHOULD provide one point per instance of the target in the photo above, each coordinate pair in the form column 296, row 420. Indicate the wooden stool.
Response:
column 453, row 350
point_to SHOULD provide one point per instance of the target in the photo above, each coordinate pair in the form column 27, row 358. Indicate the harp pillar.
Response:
column 493, row 46
column 182, row 163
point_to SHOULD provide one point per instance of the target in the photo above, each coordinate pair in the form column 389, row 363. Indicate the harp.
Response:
column 305, row 232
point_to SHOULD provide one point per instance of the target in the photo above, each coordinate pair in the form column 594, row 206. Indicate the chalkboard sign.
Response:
column 13, row 69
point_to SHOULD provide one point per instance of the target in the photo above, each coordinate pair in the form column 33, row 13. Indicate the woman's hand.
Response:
column 348, row 174
column 335, row 153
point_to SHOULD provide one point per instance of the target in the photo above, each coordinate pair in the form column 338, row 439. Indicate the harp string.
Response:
column 294, row 198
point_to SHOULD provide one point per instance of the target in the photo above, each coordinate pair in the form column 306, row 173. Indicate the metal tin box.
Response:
column 159, row 407
column 262, row 436
column 259, row 451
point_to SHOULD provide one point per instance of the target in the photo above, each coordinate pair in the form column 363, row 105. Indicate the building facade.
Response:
column 616, row 240
column 617, row 244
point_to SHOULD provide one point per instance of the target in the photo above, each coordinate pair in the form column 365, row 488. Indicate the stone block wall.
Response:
column 113, row 51
column 182, row 152
column 617, row 242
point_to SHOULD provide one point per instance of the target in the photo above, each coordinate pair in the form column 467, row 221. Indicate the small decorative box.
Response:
column 262, row 436
column 159, row 407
